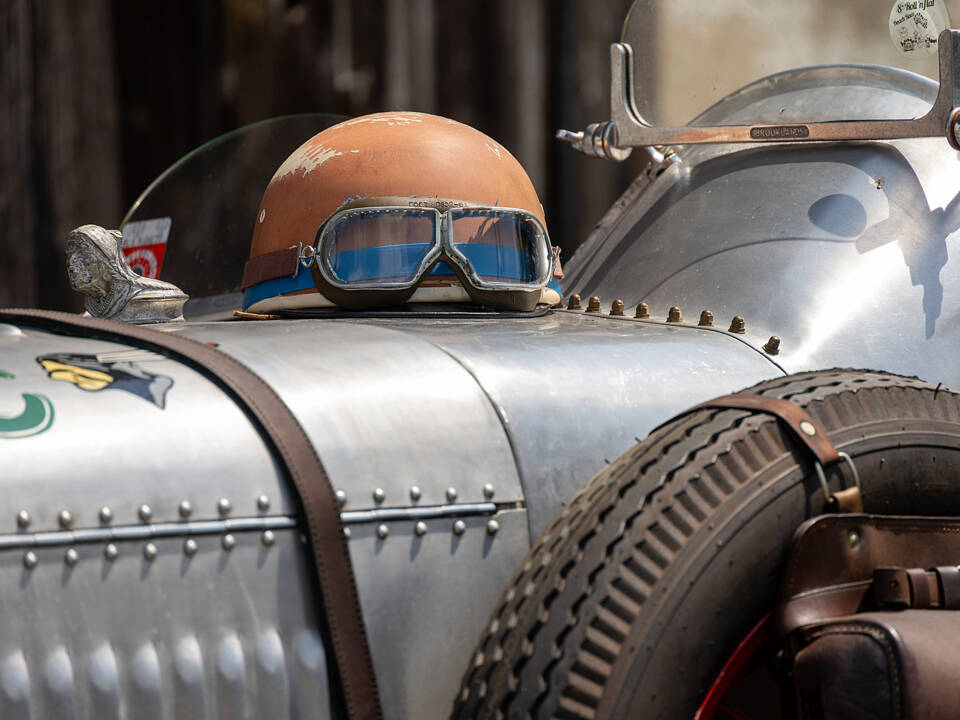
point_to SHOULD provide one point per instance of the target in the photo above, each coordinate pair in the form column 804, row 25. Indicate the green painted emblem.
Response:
column 4, row 375
column 36, row 417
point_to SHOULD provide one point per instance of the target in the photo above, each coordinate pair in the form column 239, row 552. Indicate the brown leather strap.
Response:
column 917, row 588
column 269, row 266
column 790, row 414
column 296, row 455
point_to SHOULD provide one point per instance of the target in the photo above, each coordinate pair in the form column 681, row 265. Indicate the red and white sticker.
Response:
column 144, row 243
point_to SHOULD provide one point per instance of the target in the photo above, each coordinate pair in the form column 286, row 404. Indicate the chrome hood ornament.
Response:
column 96, row 267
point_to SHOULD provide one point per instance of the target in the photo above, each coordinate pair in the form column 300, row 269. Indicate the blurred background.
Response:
column 98, row 97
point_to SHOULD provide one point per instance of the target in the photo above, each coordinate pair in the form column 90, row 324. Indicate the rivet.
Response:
column 594, row 305
column 382, row 531
column 737, row 325
column 149, row 552
column 415, row 492
column 106, row 515
column 674, row 315
column 190, row 547
column 459, row 527
column 643, row 311
column 341, row 498
column 853, row 539
column 110, row 552
column 772, row 346
column 145, row 513
column 71, row 557
column 186, row 508
column 492, row 527
column 379, row 495
column 66, row 519
column 420, row 529
column 807, row 427
column 263, row 503
column 224, row 506
column 617, row 307
column 228, row 542
column 706, row 319
column 574, row 303
column 23, row 519
column 30, row 560
column 268, row 538
column 488, row 491
column 451, row 494
column 346, row 533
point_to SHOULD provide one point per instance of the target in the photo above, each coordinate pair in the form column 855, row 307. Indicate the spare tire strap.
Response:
column 296, row 455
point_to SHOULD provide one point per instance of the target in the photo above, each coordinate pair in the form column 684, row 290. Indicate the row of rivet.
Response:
column 379, row 494
column 111, row 552
column 459, row 527
column 674, row 315
column 66, row 519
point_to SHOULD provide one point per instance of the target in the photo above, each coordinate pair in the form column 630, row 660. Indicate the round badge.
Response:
column 915, row 25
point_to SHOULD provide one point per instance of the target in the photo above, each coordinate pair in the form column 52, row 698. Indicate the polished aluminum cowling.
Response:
column 157, row 569
column 843, row 251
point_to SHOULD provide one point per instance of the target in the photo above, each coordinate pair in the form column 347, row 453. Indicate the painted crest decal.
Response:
column 36, row 417
column 110, row 371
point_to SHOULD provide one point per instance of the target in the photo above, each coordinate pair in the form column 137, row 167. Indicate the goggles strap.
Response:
column 269, row 266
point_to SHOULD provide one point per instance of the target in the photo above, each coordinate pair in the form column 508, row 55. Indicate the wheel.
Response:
column 634, row 597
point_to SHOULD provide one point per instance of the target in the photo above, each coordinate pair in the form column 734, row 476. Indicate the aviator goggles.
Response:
column 377, row 255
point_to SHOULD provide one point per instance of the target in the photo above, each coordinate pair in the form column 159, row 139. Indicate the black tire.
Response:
column 635, row 595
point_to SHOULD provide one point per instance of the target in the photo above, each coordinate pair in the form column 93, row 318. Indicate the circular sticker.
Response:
column 143, row 262
column 915, row 25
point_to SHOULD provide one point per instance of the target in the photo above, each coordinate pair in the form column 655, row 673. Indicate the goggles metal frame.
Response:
column 443, row 248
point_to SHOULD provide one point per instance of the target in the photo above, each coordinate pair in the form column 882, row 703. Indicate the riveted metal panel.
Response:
column 383, row 408
column 219, row 634
column 425, row 601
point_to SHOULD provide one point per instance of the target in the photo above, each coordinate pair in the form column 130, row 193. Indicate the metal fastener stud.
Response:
column 420, row 529
column 594, row 305
column 30, row 560
column 268, row 538
column 190, row 547
column 341, row 498
column 459, row 527
column 643, row 311
column 228, row 542
column 853, row 539
column 574, row 303
column 106, row 515
column 451, row 494
column 23, row 519
column 415, row 492
column 186, row 508
column 379, row 495
column 492, row 527
column 145, row 513
column 224, row 506
column 488, row 491
column 674, row 315
column 706, row 319
column 382, row 531
column 807, row 427
column 71, row 557
column 737, row 325
column 772, row 346
column 346, row 533
column 149, row 552
column 111, row 552
column 65, row 519
column 617, row 307
column 263, row 503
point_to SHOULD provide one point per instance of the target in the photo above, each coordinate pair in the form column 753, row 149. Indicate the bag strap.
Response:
column 296, row 455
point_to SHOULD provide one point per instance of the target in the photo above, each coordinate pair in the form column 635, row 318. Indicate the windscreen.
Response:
column 688, row 54
column 193, row 225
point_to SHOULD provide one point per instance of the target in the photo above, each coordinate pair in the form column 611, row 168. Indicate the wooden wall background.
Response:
column 98, row 97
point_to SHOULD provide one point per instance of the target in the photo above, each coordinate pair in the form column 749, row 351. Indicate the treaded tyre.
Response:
column 632, row 599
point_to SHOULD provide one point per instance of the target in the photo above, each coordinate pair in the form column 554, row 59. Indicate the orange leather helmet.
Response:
column 406, row 157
